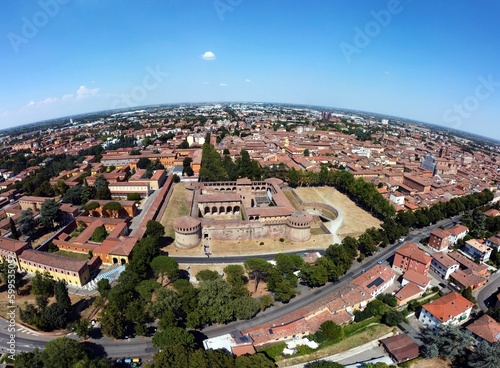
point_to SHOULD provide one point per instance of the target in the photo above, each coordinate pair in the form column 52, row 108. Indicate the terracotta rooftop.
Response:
column 444, row 259
column 408, row 291
column 412, row 251
column 52, row 260
column 448, row 306
column 440, row 233
column 12, row 245
column 401, row 347
column 417, row 278
column 486, row 328
column 457, row 230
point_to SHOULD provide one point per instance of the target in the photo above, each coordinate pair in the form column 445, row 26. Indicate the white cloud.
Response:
column 223, row 84
column 67, row 97
column 84, row 92
column 31, row 103
column 386, row 72
column 247, row 80
column 209, row 55
column 49, row 100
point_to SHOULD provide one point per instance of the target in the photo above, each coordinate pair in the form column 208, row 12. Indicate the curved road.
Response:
column 142, row 347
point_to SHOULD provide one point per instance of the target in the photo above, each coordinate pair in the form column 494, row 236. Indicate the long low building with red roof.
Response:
column 337, row 306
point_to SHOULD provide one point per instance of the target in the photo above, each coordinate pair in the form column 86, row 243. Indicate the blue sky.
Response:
column 432, row 60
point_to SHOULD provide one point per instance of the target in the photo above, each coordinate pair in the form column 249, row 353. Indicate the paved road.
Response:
column 145, row 208
column 488, row 290
column 143, row 347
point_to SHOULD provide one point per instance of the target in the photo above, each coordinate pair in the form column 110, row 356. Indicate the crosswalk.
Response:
column 26, row 331
column 111, row 275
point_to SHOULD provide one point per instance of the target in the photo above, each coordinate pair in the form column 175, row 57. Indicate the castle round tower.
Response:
column 187, row 232
column 298, row 226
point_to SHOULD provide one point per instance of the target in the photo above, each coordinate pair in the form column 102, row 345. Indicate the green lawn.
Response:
column 67, row 254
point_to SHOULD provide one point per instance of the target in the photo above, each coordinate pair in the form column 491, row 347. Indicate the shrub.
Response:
column 282, row 240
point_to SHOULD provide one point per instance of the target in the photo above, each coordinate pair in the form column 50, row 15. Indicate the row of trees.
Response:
column 62, row 353
column 364, row 193
column 217, row 168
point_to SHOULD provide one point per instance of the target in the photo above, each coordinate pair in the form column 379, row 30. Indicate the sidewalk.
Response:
column 350, row 353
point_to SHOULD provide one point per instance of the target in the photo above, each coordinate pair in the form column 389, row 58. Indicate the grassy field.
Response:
column 177, row 206
column 67, row 254
column 293, row 201
column 369, row 333
column 355, row 220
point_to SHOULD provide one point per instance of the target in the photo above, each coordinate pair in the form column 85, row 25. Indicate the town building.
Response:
column 443, row 265
column 450, row 309
column 485, row 328
column 477, row 250
column 74, row 272
column 240, row 210
column 411, row 257
column 439, row 239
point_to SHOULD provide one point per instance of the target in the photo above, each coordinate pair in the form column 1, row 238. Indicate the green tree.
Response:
column 14, row 233
column 53, row 317
column 314, row 276
column 113, row 208
column 331, row 331
column 82, row 328
column 214, row 298
column 184, row 144
column 265, row 302
column 388, row 299
column 32, row 359
column 103, row 287
column 306, row 152
column 448, row 342
column 467, row 294
column 207, row 275
column 63, row 353
column 245, row 307
column 323, row 364
column 174, row 337
column 26, row 223
column 393, row 318
column 143, row 163
column 62, row 296
column 146, row 289
column 154, row 229
column 255, row 360
column 258, row 269
column 50, row 214
column 42, row 284
column 485, row 355
column 99, row 234
column 91, row 206
column 165, row 266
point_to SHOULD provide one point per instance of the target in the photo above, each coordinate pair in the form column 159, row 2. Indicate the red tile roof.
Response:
column 486, row 328
column 448, row 306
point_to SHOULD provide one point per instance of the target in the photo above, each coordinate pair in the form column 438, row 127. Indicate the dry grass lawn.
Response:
column 371, row 333
column 262, row 246
column 431, row 363
column 355, row 219
column 177, row 206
